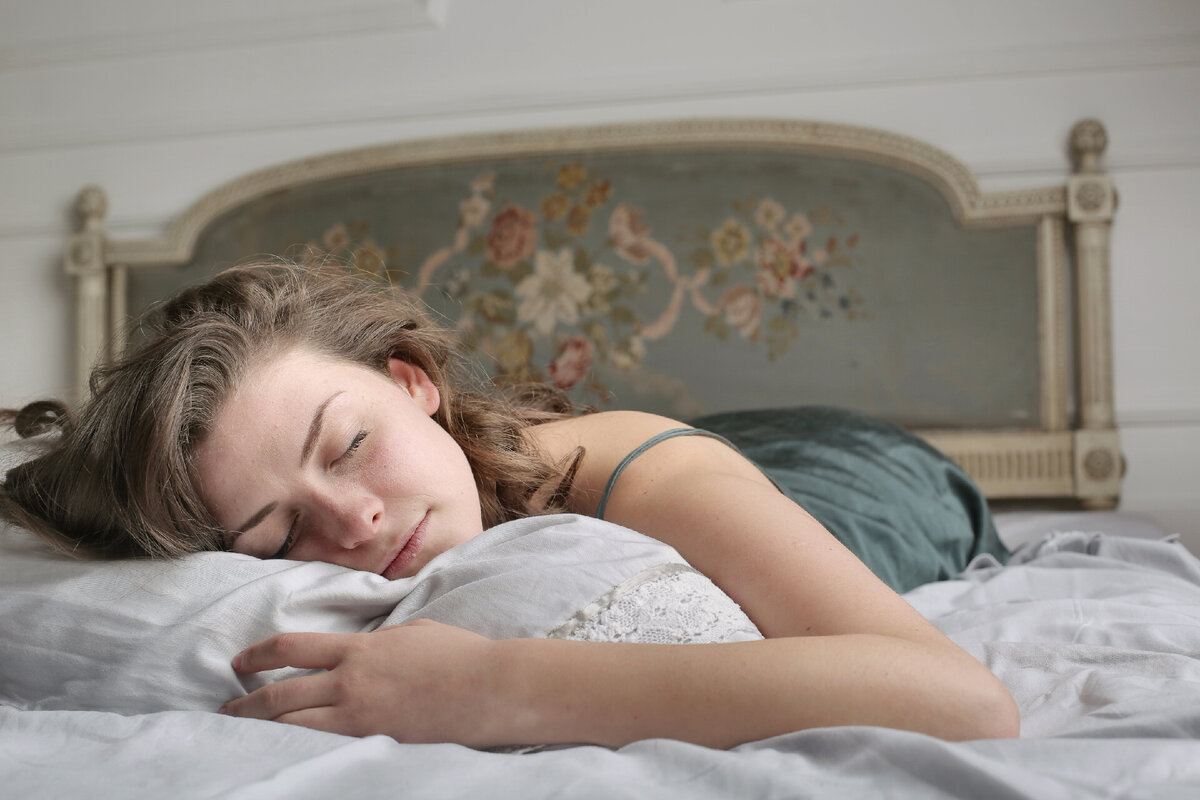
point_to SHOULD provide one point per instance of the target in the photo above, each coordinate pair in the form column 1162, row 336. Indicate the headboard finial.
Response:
column 91, row 205
column 1089, row 140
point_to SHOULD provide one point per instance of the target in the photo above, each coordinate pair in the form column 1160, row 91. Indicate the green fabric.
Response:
column 909, row 512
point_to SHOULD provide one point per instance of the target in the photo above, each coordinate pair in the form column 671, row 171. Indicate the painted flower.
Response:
column 742, row 308
column 575, row 355
column 797, row 228
column 458, row 283
column 495, row 307
column 553, row 292
column 474, row 210
column 571, row 175
column 604, row 281
column 370, row 259
column 769, row 214
column 513, row 352
column 603, row 278
column 484, row 183
column 731, row 242
column 628, row 354
column 513, row 236
column 577, row 220
column 311, row 254
column 780, row 265
column 336, row 237
column 598, row 193
column 554, row 205
column 628, row 234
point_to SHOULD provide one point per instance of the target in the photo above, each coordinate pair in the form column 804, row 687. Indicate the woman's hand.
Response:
column 428, row 682
column 418, row 682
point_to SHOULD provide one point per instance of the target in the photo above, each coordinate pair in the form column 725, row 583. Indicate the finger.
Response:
column 283, row 697
column 326, row 718
column 302, row 650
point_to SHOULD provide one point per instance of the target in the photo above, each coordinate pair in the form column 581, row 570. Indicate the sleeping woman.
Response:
column 307, row 414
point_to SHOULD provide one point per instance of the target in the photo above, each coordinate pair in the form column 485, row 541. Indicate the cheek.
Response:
column 396, row 465
column 454, row 460
column 423, row 460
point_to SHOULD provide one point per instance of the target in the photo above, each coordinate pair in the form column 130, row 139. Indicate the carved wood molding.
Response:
column 1087, row 465
column 951, row 177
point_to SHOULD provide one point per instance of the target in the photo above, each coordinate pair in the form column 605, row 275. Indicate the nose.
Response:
column 350, row 518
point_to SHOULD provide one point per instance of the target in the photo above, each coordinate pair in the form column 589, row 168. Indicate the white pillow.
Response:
column 140, row 636
column 143, row 636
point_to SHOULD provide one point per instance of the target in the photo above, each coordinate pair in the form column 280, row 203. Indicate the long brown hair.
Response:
column 116, row 480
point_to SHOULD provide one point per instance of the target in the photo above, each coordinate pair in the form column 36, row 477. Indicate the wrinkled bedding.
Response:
column 1097, row 636
column 143, row 636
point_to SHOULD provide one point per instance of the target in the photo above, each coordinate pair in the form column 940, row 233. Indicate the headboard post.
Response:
column 85, row 263
column 1091, row 201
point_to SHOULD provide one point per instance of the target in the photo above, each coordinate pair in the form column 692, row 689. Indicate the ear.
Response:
column 413, row 380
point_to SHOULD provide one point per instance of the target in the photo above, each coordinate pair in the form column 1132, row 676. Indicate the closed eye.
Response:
column 293, row 532
column 349, row 453
column 289, row 541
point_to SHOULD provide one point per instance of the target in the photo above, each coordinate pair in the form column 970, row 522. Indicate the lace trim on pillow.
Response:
column 665, row 604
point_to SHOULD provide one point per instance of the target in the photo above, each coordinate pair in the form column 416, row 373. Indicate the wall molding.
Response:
column 508, row 95
column 1018, row 170
column 39, row 35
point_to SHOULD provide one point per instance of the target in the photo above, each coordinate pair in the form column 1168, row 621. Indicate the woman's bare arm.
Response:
column 428, row 682
column 795, row 580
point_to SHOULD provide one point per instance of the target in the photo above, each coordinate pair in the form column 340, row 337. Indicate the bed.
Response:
column 794, row 285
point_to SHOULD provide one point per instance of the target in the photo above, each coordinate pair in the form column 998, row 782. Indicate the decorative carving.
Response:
column 1091, row 195
column 1089, row 140
column 1098, row 464
column 950, row 176
column 1092, row 198
column 83, row 252
column 91, row 205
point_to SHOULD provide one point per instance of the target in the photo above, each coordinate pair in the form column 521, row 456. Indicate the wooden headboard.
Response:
column 706, row 265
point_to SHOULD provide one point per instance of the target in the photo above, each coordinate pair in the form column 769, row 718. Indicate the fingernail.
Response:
column 223, row 709
column 237, row 662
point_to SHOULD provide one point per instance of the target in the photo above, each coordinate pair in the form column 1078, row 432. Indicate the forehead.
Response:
column 270, row 409
column 289, row 378
column 274, row 383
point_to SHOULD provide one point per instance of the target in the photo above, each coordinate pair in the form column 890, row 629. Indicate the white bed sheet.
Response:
column 1098, row 637
column 1019, row 527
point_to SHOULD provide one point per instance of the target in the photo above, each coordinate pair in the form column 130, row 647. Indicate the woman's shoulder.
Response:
column 607, row 438
column 613, row 432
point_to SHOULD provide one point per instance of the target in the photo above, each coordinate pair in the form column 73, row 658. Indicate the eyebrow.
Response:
column 314, row 429
column 306, row 451
column 258, row 517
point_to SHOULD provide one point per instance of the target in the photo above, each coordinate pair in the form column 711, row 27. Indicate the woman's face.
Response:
column 320, row 459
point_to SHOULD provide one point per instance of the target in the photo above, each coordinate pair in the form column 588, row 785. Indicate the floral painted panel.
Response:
column 685, row 282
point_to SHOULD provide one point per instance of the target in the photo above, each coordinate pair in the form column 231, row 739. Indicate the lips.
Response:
column 408, row 552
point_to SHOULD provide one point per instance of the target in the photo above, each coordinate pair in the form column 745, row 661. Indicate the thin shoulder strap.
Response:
column 643, row 447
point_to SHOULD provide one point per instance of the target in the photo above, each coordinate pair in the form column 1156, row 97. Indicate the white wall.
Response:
column 160, row 100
